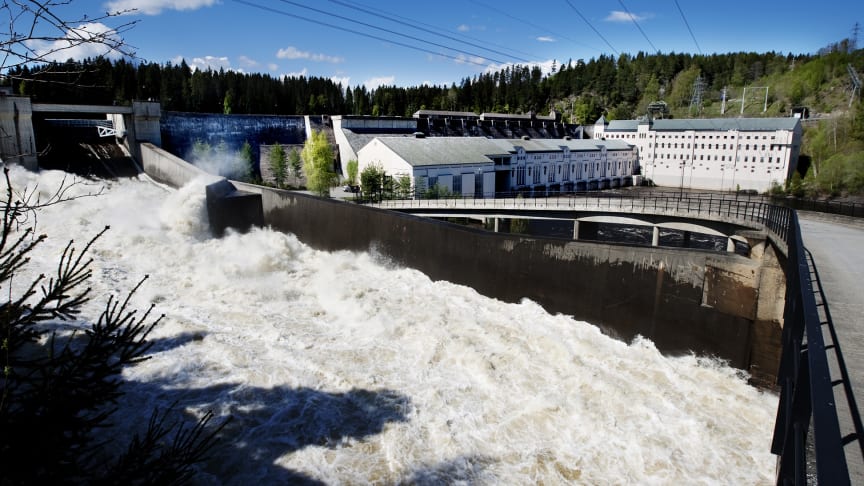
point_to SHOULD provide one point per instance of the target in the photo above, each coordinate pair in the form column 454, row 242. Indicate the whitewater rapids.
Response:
column 341, row 368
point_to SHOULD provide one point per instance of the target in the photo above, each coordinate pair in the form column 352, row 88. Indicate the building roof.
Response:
column 420, row 152
column 708, row 124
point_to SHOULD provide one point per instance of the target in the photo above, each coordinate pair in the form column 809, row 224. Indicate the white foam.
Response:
column 489, row 392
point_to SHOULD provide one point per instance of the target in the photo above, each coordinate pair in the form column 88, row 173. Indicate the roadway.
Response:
column 837, row 245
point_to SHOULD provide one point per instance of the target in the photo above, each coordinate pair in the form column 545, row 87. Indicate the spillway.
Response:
column 342, row 368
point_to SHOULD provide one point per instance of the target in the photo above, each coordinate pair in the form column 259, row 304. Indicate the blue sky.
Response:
column 363, row 45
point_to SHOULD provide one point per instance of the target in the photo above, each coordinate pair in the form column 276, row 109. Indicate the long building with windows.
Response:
column 481, row 167
column 723, row 154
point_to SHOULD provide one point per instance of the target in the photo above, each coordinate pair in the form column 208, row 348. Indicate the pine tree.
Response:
column 56, row 389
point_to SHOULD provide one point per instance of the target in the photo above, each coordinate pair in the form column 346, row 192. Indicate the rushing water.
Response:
column 341, row 368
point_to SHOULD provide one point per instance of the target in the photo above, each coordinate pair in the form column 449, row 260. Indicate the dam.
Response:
column 381, row 373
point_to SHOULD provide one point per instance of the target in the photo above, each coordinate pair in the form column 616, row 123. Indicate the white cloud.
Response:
column 374, row 83
column 298, row 74
column 155, row 7
column 463, row 59
column 343, row 80
column 292, row 52
column 210, row 62
column 68, row 48
column 545, row 38
column 463, row 28
column 273, row 66
column 619, row 16
column 247, row 62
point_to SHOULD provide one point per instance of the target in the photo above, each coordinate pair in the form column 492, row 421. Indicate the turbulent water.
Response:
column 343, row 369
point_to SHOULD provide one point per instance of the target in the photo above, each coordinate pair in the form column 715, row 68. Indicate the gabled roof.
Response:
column 709, row 124
column 420, row 152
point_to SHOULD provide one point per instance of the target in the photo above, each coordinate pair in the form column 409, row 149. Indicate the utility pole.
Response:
column 744, row 98
column 723, row 102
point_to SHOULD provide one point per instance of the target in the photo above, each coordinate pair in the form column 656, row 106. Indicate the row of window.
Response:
column 722, row 158
column 690, row 137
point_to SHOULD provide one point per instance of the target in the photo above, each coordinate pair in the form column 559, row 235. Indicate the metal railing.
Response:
column 807, row 400
column 807, row 387
column 754, row 212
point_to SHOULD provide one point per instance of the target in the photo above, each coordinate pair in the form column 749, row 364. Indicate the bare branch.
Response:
column 37, row 35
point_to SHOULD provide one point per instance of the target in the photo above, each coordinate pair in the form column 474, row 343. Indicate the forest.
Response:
column 580, row 91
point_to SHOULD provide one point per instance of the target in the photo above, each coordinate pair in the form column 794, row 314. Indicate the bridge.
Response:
column 736, row 219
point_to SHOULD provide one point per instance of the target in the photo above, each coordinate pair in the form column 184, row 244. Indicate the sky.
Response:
column 409, row 43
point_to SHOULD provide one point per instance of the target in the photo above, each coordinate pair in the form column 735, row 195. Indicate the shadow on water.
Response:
column 267, row 423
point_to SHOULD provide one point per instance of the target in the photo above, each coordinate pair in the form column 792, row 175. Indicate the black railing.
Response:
column 844, row 208
column 807, row 387
column 807, row 401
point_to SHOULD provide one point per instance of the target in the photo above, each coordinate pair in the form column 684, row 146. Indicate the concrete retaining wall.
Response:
column 169, row 169
column 17, row 139
column 684, row 301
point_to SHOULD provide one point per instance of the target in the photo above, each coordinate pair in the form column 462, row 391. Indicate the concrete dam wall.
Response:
column 709, row 303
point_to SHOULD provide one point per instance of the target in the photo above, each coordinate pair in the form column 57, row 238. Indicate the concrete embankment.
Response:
column 710, row 303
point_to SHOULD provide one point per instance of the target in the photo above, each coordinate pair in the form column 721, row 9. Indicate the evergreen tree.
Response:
column 278, row 166
column 58, row 388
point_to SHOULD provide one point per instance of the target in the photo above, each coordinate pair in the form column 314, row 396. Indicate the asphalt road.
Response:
column 837, row 245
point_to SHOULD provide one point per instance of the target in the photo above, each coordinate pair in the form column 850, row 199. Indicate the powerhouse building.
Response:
column 723, row 154
column 483, row 167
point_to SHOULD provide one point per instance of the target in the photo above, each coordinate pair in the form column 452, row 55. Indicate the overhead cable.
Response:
column 389, row 31
column 590, row 25
column 688, row 27
column 542, row 29
column 364, row 34
column 633, row 19
column 430, row 31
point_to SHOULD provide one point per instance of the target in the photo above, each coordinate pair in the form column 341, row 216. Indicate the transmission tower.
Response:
column 856, row 82
column 696, row 98
column 853, row 42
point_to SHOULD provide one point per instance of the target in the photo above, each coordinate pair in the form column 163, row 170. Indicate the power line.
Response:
column 541, row 29
column 389, row 31
column 430, row 31
column 633, row 19
column 592, row 27
column 455, row 33
column 364, row 34
column 688, row 27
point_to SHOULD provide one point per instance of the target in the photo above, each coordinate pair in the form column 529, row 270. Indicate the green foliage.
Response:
column 59, row 387
column 403, row 187
column 585, row 88
column 352, row 169
column 372, row 182
column 245, row 155
column 295, row 163
column 836, row 150
column 278, row 165
column 317, row 158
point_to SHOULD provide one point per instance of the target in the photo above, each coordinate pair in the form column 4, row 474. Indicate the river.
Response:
column 343, row 368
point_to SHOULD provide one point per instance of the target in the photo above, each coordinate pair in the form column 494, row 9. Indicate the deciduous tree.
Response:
column 317, row 158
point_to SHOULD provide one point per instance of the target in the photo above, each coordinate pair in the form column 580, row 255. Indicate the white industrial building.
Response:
column 723, row 154
column 481, row 167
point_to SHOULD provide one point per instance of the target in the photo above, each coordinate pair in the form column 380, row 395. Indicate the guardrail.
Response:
column 807, row 388
column 742, row 211
column 807, row 399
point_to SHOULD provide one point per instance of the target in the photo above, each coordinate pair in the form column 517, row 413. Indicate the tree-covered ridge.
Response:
column 619, row 87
